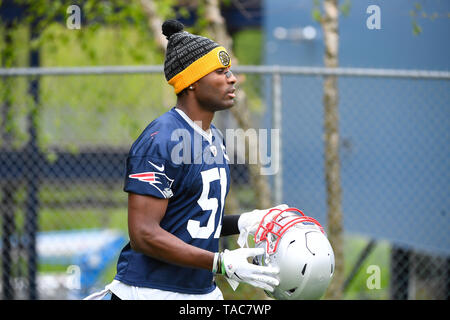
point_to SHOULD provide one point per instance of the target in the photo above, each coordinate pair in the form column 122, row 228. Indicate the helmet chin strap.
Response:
column 242, row 240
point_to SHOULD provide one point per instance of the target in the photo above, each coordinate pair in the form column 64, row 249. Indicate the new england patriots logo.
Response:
column 158, row 180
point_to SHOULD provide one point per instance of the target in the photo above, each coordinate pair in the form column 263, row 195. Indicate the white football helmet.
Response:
column 298, row 246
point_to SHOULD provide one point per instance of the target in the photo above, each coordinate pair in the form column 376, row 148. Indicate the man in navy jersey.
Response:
column 177, row 179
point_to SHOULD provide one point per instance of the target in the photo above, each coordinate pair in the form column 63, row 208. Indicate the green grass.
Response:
column 72, row 219
column 358, row 289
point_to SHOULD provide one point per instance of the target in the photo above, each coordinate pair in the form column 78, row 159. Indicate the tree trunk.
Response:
column 154, row 22
column 330, row 25
column 217, row 26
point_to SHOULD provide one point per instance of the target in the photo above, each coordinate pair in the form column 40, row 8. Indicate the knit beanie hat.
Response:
column 190, row 57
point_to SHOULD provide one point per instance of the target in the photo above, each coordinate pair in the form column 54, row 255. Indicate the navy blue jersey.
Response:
column 175, row 159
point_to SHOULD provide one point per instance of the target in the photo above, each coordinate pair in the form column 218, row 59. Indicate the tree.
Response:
column 329, row 21
column 217, row 28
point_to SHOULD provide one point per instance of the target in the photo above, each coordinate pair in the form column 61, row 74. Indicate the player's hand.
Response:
column 248, row 221
column 237, row 268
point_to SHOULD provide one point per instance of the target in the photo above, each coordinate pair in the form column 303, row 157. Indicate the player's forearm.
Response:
column 160, row 244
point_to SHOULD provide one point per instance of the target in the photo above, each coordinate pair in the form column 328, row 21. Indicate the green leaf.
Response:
column 345, row 8
column 416, row 28
column 317, row 16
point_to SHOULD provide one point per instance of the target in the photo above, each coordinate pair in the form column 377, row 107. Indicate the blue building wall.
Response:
column 393, row 46
column 394, row 132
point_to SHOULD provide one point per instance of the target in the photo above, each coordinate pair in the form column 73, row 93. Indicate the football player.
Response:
column 177, row 179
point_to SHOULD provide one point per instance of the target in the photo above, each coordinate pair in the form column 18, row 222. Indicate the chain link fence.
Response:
column 65, row 134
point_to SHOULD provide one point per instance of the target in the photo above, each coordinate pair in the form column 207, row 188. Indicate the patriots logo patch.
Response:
column 158, row 180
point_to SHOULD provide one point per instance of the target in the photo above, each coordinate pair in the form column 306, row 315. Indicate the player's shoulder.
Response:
column 157, row 136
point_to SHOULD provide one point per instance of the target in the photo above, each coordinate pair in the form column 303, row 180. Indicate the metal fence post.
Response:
column 276, row 124
column 32, row 202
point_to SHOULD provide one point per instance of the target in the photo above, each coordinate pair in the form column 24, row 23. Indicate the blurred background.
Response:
column 358, row 89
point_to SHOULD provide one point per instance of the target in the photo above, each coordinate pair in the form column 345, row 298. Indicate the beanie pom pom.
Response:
column 170, row 27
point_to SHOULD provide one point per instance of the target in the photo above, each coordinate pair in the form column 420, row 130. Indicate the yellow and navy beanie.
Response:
column 190, row 57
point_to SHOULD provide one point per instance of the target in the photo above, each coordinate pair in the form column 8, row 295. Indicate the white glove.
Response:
column 249, row 221
column 238, row 269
